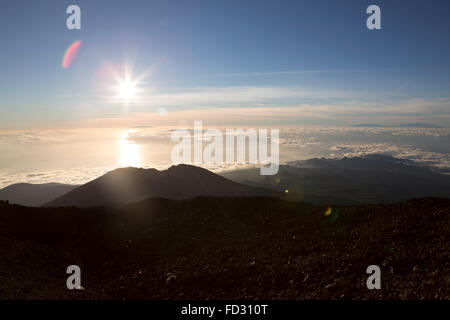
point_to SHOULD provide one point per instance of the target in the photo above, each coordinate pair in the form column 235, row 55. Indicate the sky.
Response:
column 309, row 67
column 316, row 59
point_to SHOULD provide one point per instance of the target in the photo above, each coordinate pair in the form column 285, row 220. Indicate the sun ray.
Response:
column 129, row 151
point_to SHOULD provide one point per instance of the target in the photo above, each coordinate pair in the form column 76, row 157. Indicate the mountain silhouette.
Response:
column 34, row 195
column 359, row 180
column 127, row 185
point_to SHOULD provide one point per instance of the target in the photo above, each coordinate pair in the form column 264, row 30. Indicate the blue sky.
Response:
column 316, row 58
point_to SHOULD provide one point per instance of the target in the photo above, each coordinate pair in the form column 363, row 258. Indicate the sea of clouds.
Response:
column 72, row 157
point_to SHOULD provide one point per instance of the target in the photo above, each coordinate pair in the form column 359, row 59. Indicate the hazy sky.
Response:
column 309, row 68
column 287, row 62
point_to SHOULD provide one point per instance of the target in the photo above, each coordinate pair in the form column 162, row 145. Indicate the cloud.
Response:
column 31, row 175
column 434, row 159
column 225, row 96
column 30, row 137
column 279, row 106
column 424, row 146
column 286, row 72
column 146, row 137
column 142, row 127
column 72, row 176
column 79, row 176
column 87, row 152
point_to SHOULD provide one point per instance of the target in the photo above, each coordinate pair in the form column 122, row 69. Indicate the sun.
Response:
column 127, row 91
column 125, row 87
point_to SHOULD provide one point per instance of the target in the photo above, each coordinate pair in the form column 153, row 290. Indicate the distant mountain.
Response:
column 127, row 185
column 405, row 125
column 34, row 195
column 360, row 180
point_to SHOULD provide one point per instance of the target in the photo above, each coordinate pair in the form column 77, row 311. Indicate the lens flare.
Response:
column 71, row 54
column 162, row 111
column 332, row 214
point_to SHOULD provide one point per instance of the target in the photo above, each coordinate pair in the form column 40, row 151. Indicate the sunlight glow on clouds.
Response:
column 80, row 155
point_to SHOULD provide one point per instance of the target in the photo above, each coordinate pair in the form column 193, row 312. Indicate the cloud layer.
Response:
column 81, row 155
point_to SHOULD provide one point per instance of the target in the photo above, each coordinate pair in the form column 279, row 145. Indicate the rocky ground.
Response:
column 227, row 248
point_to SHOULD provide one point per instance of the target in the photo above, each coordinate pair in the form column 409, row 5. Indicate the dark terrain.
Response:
column 227, row 248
